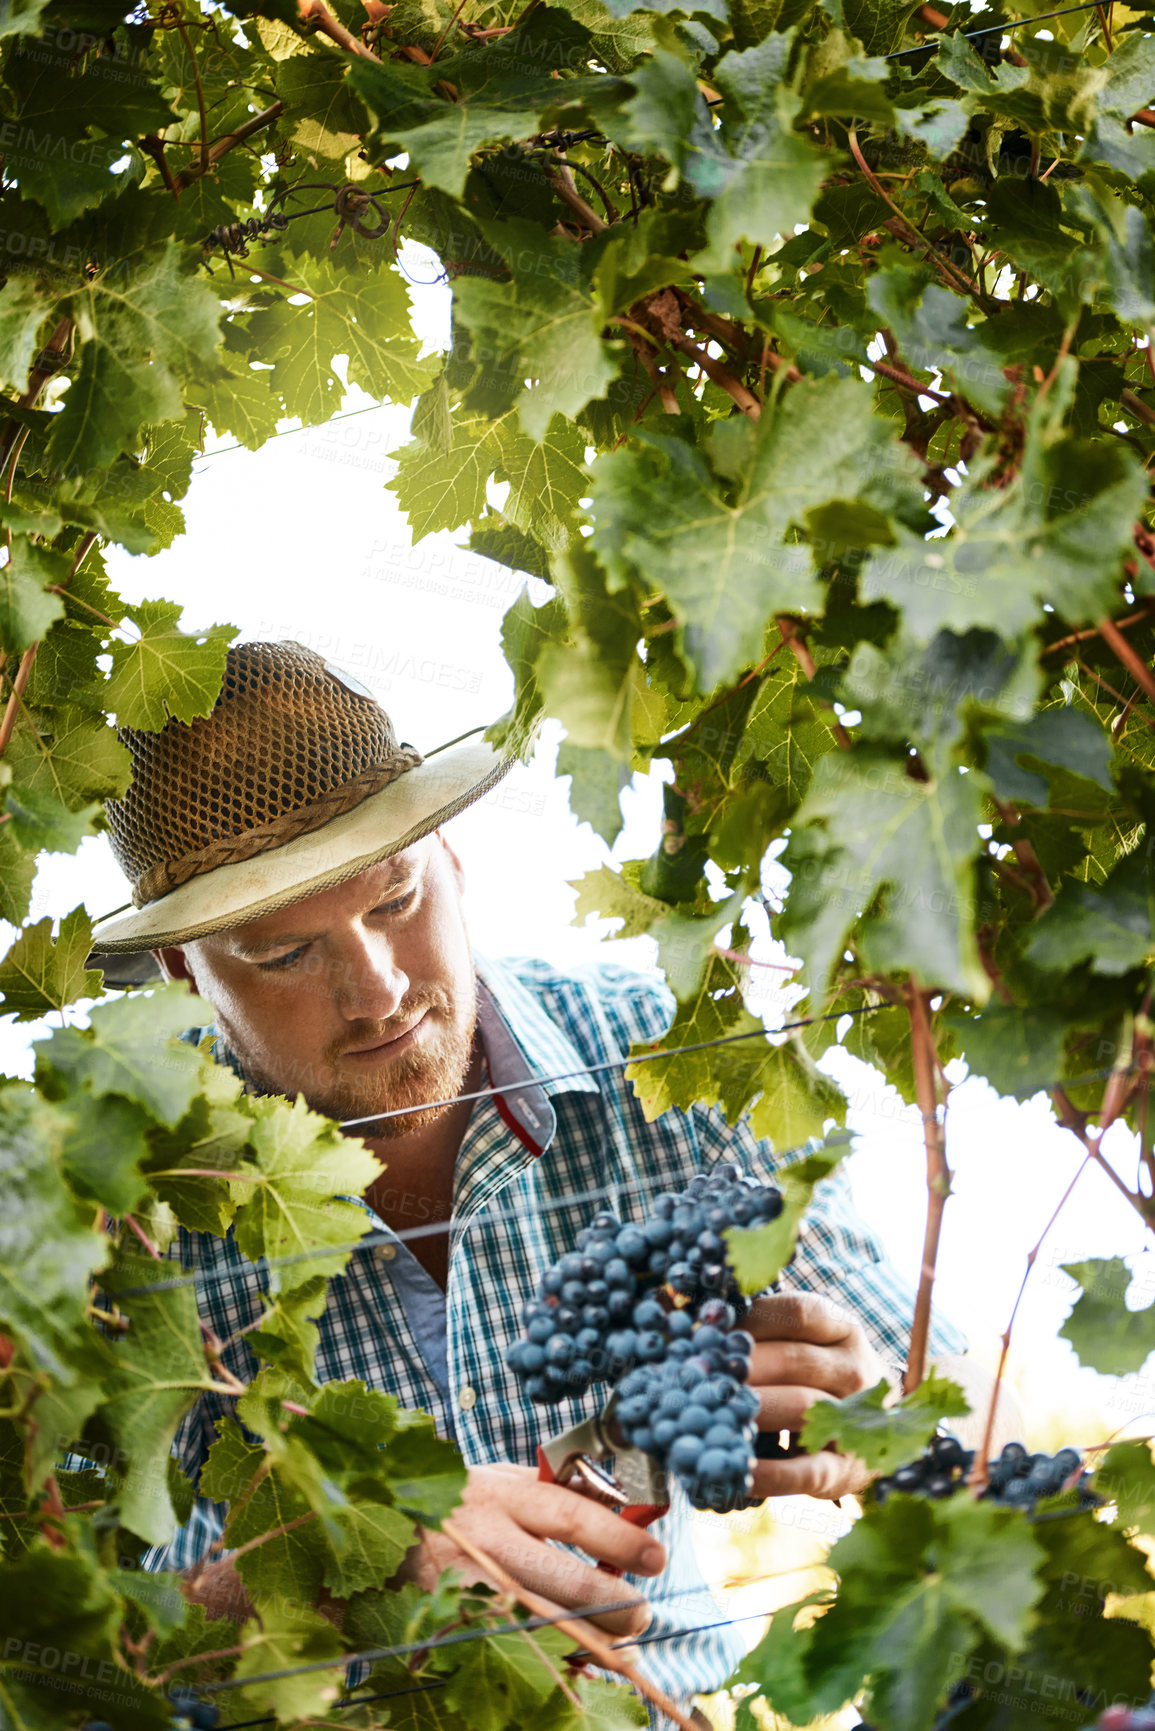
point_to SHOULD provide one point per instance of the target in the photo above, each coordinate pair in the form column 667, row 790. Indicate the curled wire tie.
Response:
column 351, row 204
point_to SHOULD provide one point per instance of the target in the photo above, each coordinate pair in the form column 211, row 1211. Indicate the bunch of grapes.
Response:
column 655, row 1308
column 597, row 1315
column 691, row 1409
column 1016, row 1478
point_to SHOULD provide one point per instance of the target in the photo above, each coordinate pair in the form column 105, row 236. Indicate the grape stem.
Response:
column 925, row 1060
column 602, row 1651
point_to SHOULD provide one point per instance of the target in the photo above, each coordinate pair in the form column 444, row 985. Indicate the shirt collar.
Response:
column 545, row 1047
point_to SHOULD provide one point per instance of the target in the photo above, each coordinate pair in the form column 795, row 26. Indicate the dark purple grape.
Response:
column 685, row 1453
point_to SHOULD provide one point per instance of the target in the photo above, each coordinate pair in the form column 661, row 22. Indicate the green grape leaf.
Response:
column 166, row 672
column 304, row 1165
column 443, row 489
column 500, row 1681
column 129, row 1049
column 27, row 610
column 597, row 781
column 17, row 870
column 1066, row 738
column 605, row 1706
column 43, row 1593
column 546, row 476
column 525, row 631
column 75, row 757
column 777, row 1665
column 1106, row 1335
column 722, row 1075
column 38, row 975
column 874, row 829
column 440, row 136
column 759, row 1254
column 157, row 1594
column 920, row 1584
column 289, row 1635
column 24, row 306
column 1126, row 1476
column 545, row 325
column 363, row 315
column 797, row 1100
column 606, row 894
column 160, row 1371
column 40, row 823
column 108, row 403
column 1018, row 1050
column 426, row 1474
column 760, row 175
column 726, row 568
column 1109, row 926
column 103, row 1150
column 1058, row 533
column 49, row 1246
column 374, row 1540
column 212, row 1136
column 882, row 1436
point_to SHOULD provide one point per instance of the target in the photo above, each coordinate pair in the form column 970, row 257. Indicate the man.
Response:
column 288, row 862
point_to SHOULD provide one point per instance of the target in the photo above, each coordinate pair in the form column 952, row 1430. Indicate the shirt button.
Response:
column 385, row 1252
column 467, row 1399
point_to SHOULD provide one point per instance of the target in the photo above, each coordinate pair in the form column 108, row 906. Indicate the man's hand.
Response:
column 806, row 1349
column 510, row 1515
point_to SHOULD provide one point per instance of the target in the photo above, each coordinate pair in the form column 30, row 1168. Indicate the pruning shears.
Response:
column 636, row 1489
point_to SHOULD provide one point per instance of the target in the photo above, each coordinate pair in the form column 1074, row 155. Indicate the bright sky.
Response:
column 300, row 540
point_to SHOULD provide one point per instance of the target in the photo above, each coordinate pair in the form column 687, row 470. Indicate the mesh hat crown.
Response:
column 289, row 746
column 294, row 784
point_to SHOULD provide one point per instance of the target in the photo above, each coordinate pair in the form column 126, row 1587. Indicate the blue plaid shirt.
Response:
column 524, row 1157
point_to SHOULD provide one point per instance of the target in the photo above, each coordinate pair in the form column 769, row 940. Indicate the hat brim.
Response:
column 384, row 824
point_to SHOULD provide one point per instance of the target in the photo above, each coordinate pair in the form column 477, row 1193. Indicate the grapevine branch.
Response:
column 219, row 148
column 1076, row 1122
column 607, row 1656
column 978, row 1475
column 1127, row 654
column 925, row 1060
column 798, row 647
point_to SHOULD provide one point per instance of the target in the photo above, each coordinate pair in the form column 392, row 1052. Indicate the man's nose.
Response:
column 370, row 983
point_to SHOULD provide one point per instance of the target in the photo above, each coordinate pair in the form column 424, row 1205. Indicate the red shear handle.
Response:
column 638, row 1514
column 544, row 1470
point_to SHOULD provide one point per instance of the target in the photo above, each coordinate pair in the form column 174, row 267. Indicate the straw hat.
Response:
column 294, row 783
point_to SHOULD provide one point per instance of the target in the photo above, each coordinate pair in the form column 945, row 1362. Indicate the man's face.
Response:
column 361, row 998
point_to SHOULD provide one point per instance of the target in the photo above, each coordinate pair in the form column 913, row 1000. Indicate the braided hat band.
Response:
column 290, row 745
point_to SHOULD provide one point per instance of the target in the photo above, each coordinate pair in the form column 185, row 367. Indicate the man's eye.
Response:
column 284, row 961
column 398, row 906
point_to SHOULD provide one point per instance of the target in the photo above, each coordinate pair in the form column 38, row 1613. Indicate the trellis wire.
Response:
column 457, row 1636
column 611, row 1064
column 996, row 29
column 519, row 1628
column 371, row 1240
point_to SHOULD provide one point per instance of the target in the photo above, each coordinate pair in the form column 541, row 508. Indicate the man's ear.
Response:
column 174, row 965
